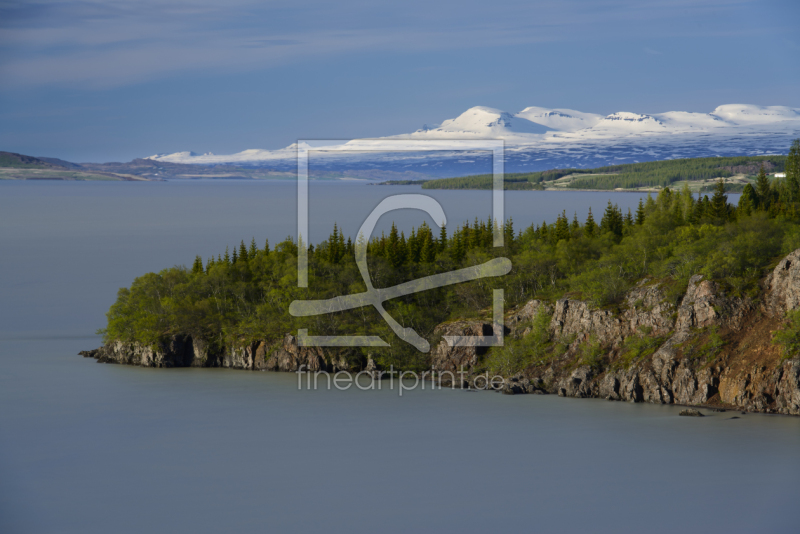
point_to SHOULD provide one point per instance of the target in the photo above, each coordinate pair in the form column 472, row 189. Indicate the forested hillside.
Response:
column 651, row 174
column 245, row 293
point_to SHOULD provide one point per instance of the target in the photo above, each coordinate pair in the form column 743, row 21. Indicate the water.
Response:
column 101, row 448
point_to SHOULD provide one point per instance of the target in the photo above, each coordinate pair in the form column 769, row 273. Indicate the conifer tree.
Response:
column 649, row 204
column 612, row 220
column 575, row 226
column 793, row 171
column 242, row 251
column 393, row 254
column 687, row 201
column 266, row 247
column 253, row 249
column 197, row 267
column 508, row 234
column 562, row 227
column 234, row 257
column 763, row 190
column 544, row 231
column 640, row 213
column 227, row 257
column 628, row 219
column 443, row 238
column 590, row 226
column 719, row 202
column 748, row 201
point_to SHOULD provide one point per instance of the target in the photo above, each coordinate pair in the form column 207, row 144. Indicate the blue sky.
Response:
column 103, row 81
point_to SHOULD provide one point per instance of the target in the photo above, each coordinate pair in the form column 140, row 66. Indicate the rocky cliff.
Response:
column 704, row 348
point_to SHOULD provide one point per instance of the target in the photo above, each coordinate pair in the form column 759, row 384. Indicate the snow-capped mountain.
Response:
column 541, row 138
column 483, row 123
column 565, row 120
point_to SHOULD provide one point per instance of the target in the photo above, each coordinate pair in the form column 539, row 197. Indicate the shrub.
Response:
column 789, row 335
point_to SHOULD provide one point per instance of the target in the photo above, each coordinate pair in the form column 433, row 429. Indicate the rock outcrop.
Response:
column 707, row 348
column 782, row 286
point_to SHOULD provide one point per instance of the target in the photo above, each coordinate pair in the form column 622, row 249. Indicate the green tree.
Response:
column 562, row 227
column 748, row 201
column 197, row 267
column 763, row 190
column 793, row 171
column 612, row 220
column 719, row 202
column 640, row 213
column 590, row 226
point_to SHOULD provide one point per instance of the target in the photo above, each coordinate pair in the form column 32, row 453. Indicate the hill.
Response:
column 700, row 173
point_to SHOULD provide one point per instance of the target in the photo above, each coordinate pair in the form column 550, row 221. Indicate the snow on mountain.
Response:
column 541, row 130
column 482, row 122
column 626, row 122
column 565, row 120
column 245, row 156
column 745, row 114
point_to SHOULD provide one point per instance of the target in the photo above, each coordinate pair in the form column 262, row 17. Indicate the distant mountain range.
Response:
column 541, row 138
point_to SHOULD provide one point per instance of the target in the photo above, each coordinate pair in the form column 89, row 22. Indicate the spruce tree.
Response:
column 719, row 202
column 763, row 190
column 253, row 249
column 590, row 226
column 545, row 231
column 443, row 238
column 628, row 219
column 748, row 200
column 242, row 251
column 266, row 247
column 393, row 254
column 640, row 213
column 227, row 256
column 197, row 267
column 575, row 226
column 562, row 227
column 793, row 171
column 612, row 220
column 508, row 234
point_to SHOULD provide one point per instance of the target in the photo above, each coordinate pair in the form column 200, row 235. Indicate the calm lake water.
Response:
column 102, row 448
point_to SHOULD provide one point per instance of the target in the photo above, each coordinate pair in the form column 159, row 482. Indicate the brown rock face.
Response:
column 453, row 359
column 783, row 286
column 703, row 305
column 289, row 357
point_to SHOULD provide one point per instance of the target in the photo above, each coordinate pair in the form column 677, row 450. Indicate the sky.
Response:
column 116, row 80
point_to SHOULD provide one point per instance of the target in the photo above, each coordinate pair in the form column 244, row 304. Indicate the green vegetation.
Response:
column 13, row 160
column 788, row 337
column 517, row 354
column 651, row 174
column 591, row 353
column 245, row 295
column 638, row 347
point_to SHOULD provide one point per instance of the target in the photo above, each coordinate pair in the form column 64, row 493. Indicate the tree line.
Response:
column 244, row 294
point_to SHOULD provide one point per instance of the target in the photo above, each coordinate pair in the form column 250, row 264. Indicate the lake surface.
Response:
column 102, row 448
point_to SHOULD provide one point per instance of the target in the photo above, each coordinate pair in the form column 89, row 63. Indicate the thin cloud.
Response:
column 106, row 44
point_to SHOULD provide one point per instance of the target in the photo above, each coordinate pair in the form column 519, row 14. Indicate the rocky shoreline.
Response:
column 744, row 370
